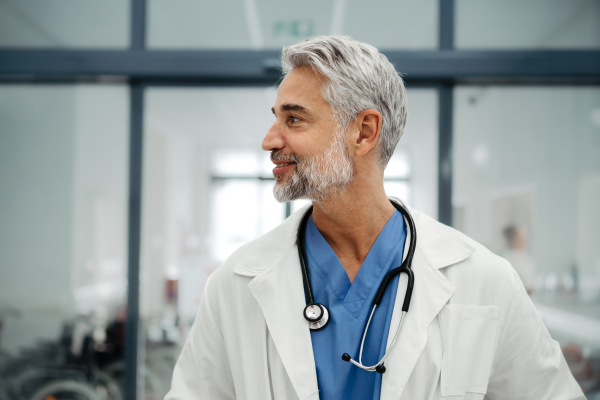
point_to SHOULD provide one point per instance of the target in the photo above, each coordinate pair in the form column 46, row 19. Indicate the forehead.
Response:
column 301, row 86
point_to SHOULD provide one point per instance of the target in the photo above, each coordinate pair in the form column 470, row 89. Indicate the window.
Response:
column 64, row 24
column 269, row 24
column 527, row 24
column 527, row 180
column 63, row 213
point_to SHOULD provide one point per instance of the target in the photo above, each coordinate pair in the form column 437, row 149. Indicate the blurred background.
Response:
column 131, row 167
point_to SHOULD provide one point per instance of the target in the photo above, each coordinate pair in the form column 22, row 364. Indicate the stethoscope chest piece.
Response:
column 317, row 315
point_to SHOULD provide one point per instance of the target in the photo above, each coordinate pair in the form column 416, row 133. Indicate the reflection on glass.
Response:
column 243, row 211
column 237, row 162
column 269, row 24
column 63, row 190
column 528, row 24
column 512, row 220
column 416, row 153
column 398, row 189
column 298, row 204
column 399, row 166
column 526, row 185
column 64, row 23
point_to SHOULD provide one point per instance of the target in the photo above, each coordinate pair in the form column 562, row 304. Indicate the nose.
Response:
column 273, row 139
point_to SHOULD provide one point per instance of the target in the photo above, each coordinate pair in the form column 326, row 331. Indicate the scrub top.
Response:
column 349, row 306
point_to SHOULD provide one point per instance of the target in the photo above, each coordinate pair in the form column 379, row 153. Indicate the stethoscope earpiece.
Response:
column 379, row 368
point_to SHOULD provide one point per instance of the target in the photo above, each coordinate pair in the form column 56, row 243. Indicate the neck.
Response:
column 351, row 221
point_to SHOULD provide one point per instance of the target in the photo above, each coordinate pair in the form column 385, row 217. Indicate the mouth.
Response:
column 282, row 166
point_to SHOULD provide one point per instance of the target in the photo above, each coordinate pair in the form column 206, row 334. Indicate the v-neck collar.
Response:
column 376, row 264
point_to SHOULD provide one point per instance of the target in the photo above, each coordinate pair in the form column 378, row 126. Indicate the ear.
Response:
column 368, row 128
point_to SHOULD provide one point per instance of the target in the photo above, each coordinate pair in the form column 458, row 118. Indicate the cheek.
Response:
column 300, row 143
column 323, row 138
column 309, row 140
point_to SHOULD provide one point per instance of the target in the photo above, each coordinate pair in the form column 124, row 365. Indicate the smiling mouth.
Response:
column 281, row 167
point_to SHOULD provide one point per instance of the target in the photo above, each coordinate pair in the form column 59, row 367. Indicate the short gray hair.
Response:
column 358, row 77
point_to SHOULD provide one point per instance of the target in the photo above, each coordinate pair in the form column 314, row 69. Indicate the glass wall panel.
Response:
column 208, row 190
column 65, row 23
column 526, row 185
column 63, row 197
column 527, row 24
column 271, row 24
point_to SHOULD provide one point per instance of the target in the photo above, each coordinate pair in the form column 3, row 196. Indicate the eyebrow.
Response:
column 291, row 107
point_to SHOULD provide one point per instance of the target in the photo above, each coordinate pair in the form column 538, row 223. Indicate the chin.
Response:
column 283, row 177
column 279, row 179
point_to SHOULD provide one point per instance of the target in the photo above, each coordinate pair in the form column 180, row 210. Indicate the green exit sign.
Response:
column 300, row 28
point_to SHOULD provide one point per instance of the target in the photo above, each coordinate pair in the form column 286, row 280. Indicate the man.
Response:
column 471, row 331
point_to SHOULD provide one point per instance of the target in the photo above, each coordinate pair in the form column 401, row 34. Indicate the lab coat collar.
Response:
column 440, row 245
column 272, row 261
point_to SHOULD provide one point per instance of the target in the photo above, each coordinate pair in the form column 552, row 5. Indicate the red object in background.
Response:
column 586, row 371
column 171, row 291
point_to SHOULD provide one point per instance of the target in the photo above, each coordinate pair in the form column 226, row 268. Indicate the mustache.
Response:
column 280, row 155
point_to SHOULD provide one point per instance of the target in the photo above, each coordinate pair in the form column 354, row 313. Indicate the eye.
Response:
column 293, row 119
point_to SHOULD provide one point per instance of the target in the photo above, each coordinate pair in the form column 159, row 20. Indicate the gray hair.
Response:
column 358, row 77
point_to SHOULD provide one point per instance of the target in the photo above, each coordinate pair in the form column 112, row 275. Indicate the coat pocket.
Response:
column 468, row 340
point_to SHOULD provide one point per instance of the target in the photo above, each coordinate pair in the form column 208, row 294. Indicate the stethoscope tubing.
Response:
column 372, row 368
column 307, row 286
column 405, row 267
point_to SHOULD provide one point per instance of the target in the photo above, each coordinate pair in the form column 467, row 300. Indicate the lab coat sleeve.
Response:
column 528, row 363
column 202, row 371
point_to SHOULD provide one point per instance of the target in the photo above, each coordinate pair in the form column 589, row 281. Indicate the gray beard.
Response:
column 316, row 178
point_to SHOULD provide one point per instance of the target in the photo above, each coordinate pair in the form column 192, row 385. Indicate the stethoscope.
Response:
column 318, row 315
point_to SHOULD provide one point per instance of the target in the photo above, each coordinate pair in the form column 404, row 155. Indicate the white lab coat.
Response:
column 471, row 331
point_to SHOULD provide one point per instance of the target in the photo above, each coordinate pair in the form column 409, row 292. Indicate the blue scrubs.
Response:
column 350, row 306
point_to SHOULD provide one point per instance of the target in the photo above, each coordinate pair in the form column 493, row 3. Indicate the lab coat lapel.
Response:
column 279, row 291
column 431, row 292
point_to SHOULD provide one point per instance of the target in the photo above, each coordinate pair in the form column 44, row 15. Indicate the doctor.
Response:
column 471, row 331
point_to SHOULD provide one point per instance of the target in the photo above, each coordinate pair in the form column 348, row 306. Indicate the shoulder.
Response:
column 478, row 274
column 485, row 261
column 494, row 277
